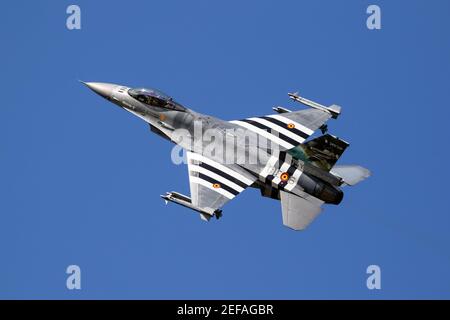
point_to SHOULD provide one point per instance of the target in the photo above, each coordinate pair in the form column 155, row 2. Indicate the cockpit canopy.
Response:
column 155, row 98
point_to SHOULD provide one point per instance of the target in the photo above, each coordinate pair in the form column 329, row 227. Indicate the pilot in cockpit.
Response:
column 155, row 98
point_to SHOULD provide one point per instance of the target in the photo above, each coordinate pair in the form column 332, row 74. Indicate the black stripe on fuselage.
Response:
column 269, row 179
column 291, row 171
column 223, row 174
column 281, row 159
column 270, row 130
column 284, row 125
column 222, row 185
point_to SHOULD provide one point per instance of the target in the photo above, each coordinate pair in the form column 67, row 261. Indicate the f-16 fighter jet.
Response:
column 272, row 153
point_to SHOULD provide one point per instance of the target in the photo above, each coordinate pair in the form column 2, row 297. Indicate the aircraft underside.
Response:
column 300, row 172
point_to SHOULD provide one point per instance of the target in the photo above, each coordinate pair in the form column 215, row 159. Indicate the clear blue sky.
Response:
column 80, row 179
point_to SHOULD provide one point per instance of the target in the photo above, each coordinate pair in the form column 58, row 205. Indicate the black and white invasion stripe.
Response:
column 276, row 128
column 209, row 173
column 275, row 167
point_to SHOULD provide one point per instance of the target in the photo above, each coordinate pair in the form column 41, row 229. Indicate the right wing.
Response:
column 287, row 129
column 299, row 212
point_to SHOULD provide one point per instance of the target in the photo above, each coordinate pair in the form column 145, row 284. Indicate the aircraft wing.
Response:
column 286, row 129
column 213, row 184
column 299, row 211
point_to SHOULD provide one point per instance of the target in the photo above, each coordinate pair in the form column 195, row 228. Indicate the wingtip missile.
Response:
column 334, row 110
column 294, row 95
column 186, row 201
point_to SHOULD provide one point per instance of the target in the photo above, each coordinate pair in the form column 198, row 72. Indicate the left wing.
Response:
column 213, row 184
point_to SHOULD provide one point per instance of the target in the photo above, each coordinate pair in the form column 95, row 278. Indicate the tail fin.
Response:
column 323, row 151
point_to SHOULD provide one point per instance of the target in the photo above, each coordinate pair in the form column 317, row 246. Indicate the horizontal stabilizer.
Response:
column 351, row 174
column 298, row 212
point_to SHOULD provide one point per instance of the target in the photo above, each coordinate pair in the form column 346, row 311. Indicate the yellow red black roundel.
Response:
column 291, row 125
column 284, row 176
column 216, row 185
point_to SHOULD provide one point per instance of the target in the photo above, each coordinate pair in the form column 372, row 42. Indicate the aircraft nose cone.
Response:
column 103, row 89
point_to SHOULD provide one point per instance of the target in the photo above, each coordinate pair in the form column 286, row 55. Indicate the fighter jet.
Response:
column 286, row 164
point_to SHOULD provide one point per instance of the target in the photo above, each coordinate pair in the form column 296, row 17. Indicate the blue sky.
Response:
column 80, row 179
